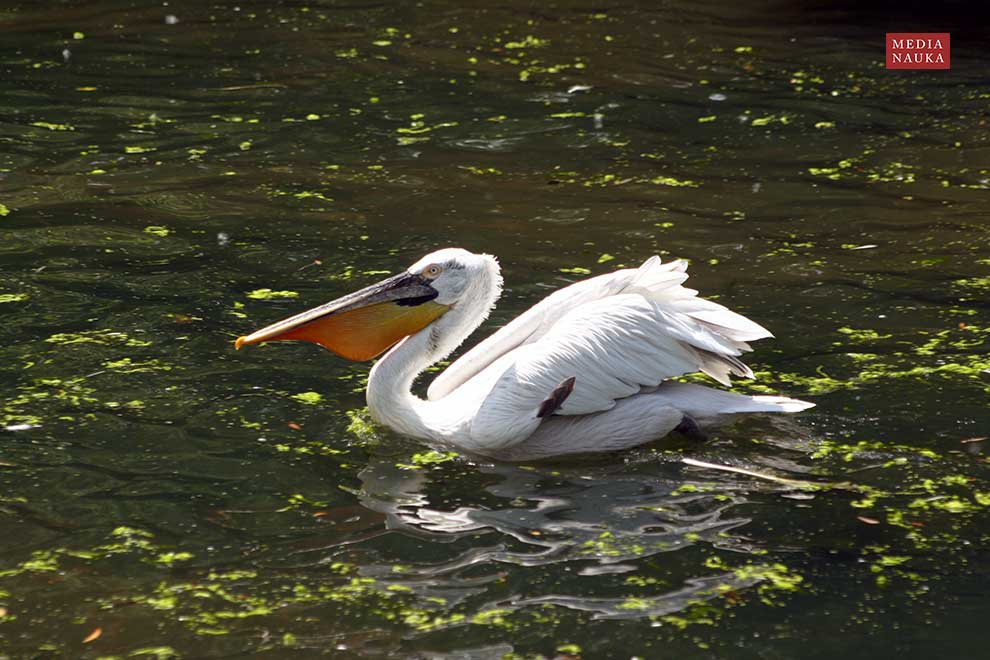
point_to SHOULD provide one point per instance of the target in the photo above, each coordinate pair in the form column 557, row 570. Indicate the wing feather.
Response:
column 653, row 279
column 615, row 334
column 613, row 347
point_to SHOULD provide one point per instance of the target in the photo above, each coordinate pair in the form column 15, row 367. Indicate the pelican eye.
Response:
column 432, row 271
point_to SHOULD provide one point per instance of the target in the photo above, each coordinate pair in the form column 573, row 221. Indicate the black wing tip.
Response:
column 556, row 398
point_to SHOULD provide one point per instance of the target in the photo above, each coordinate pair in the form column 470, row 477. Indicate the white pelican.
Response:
column 585, row 370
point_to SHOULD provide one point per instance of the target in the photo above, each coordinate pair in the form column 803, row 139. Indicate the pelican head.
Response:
column 365, row 324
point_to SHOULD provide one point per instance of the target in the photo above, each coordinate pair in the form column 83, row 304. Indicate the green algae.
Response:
column 159, row 652
column 309, row 447
column 425, row 459
column 852, row 451
column 860, row 335
column 529, row 41
column 103, row 337
column 128, row 366
column 770, row 119
column 361, row 427
column 269, row 294
column 215, row 602
column 945, row 354
column 289, row 610
column 309, row 398
column 608, row 545
column 49, row 396
column 171, row 558
column 53, row 126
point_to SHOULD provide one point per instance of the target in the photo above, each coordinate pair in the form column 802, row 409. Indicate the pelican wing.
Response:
column 653, row 281
column 613, row 348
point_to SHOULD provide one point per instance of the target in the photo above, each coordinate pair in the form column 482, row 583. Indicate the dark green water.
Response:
column 189, row 501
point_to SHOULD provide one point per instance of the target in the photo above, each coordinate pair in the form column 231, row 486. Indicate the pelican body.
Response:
column 587, row 369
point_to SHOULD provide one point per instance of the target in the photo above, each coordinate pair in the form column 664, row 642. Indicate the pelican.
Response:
column 588, row 369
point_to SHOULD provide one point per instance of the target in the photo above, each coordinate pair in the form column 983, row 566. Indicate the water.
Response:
column 165, row 182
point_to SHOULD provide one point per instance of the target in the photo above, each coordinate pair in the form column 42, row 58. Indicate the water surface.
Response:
column 167, row 184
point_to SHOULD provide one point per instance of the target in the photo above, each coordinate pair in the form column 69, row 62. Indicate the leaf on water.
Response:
column 93, row 636
column 294, row 426
column 4, row 210
column 868, row 521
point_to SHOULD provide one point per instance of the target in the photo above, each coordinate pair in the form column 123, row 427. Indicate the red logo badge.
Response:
column 917, row 50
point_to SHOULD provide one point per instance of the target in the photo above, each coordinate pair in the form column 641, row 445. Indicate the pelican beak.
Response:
column 364, row 324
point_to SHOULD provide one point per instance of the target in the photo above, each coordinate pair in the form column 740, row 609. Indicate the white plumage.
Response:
column 587, row 369
column 619, row 335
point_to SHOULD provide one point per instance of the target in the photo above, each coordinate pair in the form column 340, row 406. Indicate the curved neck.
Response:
column 390, row 400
